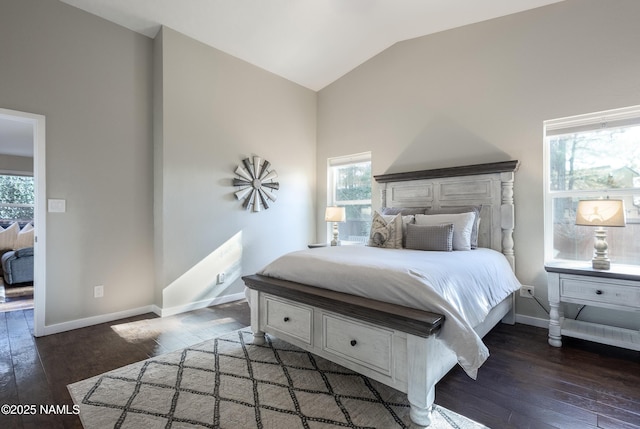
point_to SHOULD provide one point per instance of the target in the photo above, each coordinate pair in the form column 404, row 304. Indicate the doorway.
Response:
column 33, row 127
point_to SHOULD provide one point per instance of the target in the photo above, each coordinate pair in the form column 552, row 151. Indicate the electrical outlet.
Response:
column 98, row 291
column 527, row 291
column 220, row 279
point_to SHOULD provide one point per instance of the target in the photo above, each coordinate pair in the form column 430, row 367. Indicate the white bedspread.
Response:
column 463, row 286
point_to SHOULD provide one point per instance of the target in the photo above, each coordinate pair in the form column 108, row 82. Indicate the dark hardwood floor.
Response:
column 525, row 383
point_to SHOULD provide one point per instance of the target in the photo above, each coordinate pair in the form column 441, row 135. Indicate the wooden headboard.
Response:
column 489, row 185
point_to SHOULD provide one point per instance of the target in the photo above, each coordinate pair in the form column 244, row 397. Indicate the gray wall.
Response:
column 92, row 81
column 480, row 93
column 100, row 87
column 216, row 110
column 11, row 164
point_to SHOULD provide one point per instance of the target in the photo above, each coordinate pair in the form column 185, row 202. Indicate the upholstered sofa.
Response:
column 17, row 266
column 16, row 250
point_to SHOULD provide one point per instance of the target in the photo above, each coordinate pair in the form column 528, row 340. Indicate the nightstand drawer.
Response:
column 289, row 318
column 600, row 292
column 363, row 344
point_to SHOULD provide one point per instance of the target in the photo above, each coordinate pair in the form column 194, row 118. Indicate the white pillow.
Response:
column 25, row 237
column 406, row 220
column 8, row 236
column 462, row 226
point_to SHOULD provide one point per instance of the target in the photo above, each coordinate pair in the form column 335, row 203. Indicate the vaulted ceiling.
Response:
column 310, row 42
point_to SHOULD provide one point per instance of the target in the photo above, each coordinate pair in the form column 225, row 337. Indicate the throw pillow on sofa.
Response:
column 24, row 237
column 8, row 236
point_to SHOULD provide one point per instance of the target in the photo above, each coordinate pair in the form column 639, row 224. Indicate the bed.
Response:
column 386, row 327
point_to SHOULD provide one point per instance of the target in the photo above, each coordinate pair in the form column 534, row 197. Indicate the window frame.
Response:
column 341, row 161
column 614, row 118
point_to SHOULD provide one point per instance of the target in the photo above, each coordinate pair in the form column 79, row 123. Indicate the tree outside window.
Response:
column 17, row 199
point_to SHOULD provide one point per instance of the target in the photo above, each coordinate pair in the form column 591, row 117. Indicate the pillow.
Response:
column 8, row 236
column 463, row 209
column 25, row 237
column 430, row 237
column 406, row 220
column 386, row 231
column 462, row 226
column 404, row 211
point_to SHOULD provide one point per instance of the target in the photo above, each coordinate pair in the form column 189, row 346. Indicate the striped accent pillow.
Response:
column 430, row 237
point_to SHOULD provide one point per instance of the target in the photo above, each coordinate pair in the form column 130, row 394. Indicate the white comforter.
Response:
column 463, row 286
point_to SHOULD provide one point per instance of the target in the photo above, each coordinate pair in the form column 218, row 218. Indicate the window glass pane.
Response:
column 358, row 223
column 575, row 242
column 599, row 159
column 17, row 198
column 353, row 182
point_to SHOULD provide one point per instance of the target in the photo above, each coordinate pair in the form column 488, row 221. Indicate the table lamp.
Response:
column 335, row 215
column 600, row 213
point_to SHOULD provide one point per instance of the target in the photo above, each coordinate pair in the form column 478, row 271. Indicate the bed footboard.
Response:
column 395, row 345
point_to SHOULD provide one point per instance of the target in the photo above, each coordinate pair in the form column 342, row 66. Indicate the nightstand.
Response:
column 315, row 245
column 578, row 283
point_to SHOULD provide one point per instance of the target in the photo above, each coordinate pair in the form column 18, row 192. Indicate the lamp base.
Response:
column 601, row 264
column 601, row 260
column 335, row 241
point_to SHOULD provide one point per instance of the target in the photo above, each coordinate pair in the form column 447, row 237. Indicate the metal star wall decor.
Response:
column 256, row 181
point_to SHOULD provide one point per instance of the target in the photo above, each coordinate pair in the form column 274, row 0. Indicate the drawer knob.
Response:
column 598, row 292
column 286, row 319
column 353, row 343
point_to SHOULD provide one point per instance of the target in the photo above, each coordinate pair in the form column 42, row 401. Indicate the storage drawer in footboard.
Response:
column 288, row 318
column 357, row 342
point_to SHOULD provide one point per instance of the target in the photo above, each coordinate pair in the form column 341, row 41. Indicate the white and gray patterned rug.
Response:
column 230, row 383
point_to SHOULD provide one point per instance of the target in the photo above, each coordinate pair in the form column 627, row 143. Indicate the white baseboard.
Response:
column 95, row 320
column 106, row 318
column 164, row 312
column 533, row 321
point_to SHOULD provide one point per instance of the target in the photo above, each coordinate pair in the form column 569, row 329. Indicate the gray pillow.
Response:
column 462, row 209
column 430, row 237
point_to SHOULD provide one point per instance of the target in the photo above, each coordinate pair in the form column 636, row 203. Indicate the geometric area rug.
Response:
column 228, row 382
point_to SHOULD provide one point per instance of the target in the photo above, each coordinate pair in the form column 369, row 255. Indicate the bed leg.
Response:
column 420, row 416
column 254, row 300
column 421, row 390
column 258, row 338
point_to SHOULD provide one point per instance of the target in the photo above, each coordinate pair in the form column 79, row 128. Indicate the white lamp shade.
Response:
column 335, row 214
column 601, row 213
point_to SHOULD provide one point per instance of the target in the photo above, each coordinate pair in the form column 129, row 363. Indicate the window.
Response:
column 17, row 199
column 350, row 187
column 592, row 156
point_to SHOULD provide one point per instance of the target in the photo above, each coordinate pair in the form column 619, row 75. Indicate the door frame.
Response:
column 38, row 123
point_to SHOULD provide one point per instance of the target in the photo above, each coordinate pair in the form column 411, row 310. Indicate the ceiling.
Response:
column 310, row 42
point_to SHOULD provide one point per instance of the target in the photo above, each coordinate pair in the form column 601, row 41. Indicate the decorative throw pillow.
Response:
column 462, row 209
column 462, row 226
column 8, row 236
column 386, row 231
column 25, row 237
column 430, row 237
